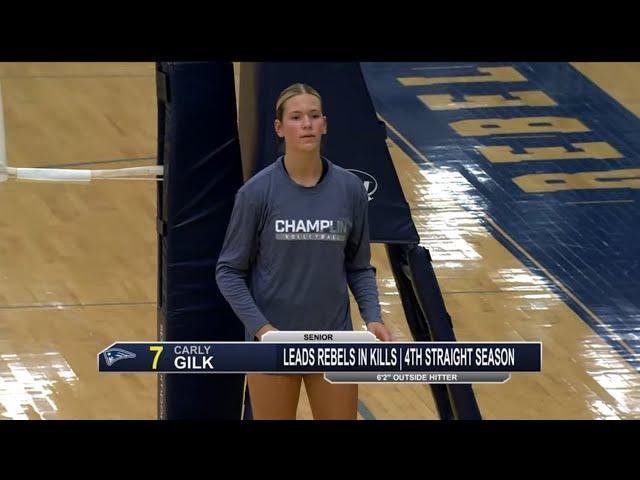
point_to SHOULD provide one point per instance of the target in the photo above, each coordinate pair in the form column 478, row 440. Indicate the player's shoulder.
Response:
column 260, row 181
column 346, row 176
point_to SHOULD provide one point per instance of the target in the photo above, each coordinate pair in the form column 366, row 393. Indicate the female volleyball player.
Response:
column 298, row 236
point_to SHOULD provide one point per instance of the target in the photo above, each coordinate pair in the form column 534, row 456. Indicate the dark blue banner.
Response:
column 234, row 357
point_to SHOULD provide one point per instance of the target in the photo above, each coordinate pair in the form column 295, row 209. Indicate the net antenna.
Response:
column 3, row 144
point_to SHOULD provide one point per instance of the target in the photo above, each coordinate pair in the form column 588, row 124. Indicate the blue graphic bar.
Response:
column 320, row 357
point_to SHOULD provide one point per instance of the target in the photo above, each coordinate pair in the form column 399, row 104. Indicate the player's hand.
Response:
column 380, row 331
column 264, row 329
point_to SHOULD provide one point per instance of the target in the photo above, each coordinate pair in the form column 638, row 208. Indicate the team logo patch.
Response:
column 113, row 355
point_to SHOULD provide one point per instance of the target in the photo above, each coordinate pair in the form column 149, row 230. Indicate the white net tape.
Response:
column 77, row 175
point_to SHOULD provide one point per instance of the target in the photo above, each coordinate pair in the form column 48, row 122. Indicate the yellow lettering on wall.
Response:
column 504, row 153
column 502, row 126
column 492, row 74
column 528, row 98
column 554, row 182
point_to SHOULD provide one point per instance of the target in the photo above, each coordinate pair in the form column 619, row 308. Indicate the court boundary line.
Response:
column 44, row 306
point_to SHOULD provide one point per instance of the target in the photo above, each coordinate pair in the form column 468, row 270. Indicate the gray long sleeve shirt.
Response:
column 290, row 252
